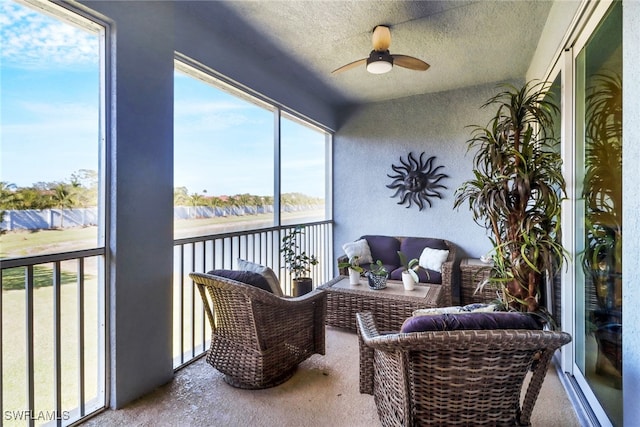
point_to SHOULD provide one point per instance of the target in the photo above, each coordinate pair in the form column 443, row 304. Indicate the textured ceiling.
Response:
column 466, row 42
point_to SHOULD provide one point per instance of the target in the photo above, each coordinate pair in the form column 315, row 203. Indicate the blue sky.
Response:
column 49, row 101
column 49, row 97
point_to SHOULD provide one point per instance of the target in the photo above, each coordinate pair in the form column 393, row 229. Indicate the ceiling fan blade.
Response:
column 381, row 38
column 350, row 66
column 410, row 62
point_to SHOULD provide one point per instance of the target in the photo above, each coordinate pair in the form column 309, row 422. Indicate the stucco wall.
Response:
column 141, row 219
column 376, row 136
column 144, row 38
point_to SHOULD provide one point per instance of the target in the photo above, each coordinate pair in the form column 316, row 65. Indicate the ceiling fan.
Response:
column 380, row 60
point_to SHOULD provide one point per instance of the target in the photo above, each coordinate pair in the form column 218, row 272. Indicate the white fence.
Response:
column 32, row 219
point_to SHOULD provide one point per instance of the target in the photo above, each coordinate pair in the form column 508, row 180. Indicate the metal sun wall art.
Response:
column 416, row 181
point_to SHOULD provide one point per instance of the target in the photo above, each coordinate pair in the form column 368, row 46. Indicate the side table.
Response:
column 473, row 271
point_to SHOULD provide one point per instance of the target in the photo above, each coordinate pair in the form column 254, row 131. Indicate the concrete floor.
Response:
column 323, row 392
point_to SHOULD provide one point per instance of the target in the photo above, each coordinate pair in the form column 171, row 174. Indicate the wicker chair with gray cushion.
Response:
column 454, row 378
column 258, row 338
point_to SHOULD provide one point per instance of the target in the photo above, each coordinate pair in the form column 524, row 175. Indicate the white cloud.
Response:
column 31, row 40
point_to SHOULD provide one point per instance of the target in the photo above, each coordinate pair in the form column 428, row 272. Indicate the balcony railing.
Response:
column 53, row 320
column 220, row 251
column 53, row 329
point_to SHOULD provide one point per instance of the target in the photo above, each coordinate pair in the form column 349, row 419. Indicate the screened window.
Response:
column 51, row 131
column 52, row 205
column 303, row 171
column 226, row 142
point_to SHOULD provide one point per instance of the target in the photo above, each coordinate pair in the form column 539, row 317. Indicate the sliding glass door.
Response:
column 598, row 214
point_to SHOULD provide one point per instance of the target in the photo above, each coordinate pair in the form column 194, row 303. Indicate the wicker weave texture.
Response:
column 449, row 282
column 470, row 276
column 454, row 378
column 258, row 339
column 390, row 310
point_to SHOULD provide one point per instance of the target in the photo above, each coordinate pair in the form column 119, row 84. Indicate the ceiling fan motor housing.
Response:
column 379, row 62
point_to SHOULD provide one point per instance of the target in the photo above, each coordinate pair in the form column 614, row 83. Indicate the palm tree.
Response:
column 196, row 200
column 65, row 197
column 7, row 195
column 180, row 196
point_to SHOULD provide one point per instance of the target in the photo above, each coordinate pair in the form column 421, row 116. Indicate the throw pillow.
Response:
column 359, row 248
column 266, row 272
column 469, row 308
column 246, row 277
column 433, row 259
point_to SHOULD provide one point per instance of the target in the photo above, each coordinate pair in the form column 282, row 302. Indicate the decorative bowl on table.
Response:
column 377, row 281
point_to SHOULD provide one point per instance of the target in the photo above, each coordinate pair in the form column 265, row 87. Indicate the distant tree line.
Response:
column 81, row 191
column 182, row 197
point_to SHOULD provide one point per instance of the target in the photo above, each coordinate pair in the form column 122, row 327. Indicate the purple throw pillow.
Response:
column 246, row 277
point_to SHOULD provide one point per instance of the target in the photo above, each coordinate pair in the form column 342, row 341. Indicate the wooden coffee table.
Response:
column 390, row 306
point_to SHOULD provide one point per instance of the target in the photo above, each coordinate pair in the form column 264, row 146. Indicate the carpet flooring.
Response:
column 323, row 392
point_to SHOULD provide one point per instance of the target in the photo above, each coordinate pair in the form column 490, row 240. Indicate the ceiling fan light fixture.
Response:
column 379, row 62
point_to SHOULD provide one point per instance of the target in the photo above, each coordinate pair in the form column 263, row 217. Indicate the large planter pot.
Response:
column 354, row 277
column 301, row 286
column 377, row 282
column 407, row 281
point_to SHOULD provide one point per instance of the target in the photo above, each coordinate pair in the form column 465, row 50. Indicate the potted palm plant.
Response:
column 517, row 190
column 297, row 263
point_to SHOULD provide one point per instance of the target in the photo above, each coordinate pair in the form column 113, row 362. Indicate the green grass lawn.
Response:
column 26, row 243
column 22, row 243
column 13, row 278
column 14, row 349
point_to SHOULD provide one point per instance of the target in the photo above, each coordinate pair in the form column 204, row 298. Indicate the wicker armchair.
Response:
column 257, row 338
column 454, row 378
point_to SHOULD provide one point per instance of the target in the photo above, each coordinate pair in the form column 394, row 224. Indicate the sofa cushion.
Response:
column 265, row 272
column 470, row 321
column 433, row 277
column 359, row 248
column 385, row 249
column 412, row 247
column 432, row 259
column 246, row 277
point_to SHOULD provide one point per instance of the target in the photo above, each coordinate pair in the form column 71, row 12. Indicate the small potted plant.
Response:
column 296, row 262
column 377, row 276
column 409, row 272
column 354, row 269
